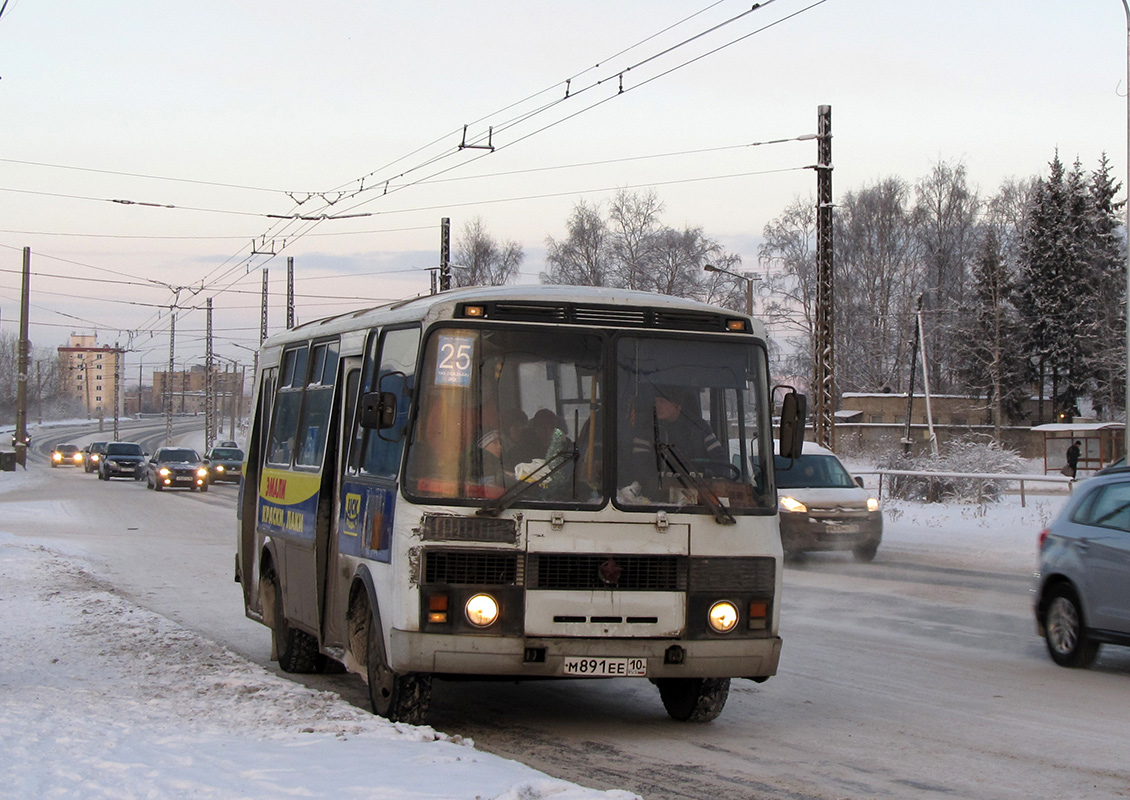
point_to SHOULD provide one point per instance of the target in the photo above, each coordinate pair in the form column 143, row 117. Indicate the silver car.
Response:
column 1083, row 586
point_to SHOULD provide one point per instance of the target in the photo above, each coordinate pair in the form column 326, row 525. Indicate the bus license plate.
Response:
column 606, row 667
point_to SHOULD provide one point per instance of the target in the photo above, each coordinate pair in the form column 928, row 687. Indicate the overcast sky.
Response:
column 221, row 114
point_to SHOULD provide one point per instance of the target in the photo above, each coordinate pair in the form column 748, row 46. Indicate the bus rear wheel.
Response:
column 296, row 651
column 394, row 696
column 693, row 699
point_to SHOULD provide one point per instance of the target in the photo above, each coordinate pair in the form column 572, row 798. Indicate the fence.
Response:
column 983, row 477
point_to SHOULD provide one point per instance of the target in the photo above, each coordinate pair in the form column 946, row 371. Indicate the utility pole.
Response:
column 169, row 377
column 21, row 380
column 823, row 353
column 263, row 313
column 289, row 292
column 445, row 254
column 117, row 389
column 907, row 439
column 209, row 388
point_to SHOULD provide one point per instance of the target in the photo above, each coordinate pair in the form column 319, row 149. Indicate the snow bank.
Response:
column 100, row 698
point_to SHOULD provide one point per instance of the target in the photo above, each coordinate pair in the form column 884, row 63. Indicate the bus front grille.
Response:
column 756, row 574
column 603, row 572
column 472, row 568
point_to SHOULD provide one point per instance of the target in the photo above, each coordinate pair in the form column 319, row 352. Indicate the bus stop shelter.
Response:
column 1100, row 443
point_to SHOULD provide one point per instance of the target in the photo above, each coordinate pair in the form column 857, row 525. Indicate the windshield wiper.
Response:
column 691, row 481
column 507, row 498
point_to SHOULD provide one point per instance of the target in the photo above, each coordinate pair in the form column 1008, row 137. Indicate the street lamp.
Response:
column 748, row 279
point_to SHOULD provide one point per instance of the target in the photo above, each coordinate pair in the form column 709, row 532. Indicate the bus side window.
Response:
column 319, row 397
column 288, row 404
column 382, row 449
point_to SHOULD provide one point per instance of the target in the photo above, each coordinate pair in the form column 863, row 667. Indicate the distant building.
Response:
column 186, row 391
column 92, row 374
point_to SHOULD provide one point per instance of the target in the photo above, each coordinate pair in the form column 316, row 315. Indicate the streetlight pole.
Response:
column 747, row 279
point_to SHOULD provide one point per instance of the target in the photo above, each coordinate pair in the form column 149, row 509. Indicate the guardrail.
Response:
column 984, row 477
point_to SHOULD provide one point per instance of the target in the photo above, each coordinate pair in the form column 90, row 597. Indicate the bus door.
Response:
column 335, row 591
column 292, row 482
column 370, row 486
column 249, row 542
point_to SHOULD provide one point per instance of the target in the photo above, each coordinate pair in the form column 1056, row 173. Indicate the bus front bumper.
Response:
column 522, row 657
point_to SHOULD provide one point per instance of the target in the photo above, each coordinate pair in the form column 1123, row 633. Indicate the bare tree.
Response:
column 877, row 282
column 679, row 260
column 583, row 257
column 945, row 220
column 483, row 261
column 788, row 255
column 634, row 232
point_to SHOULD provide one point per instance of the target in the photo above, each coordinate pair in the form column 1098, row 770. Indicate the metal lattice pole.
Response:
column 824, row 350
column 209, row 383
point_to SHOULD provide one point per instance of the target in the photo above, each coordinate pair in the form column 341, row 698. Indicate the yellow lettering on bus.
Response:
column 294, row 520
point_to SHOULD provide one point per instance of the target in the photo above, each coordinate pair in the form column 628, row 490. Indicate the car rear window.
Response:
column 123, row 450
column 228, row 453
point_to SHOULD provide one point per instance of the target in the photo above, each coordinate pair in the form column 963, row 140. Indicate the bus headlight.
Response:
column 791, row 504
column 723, row 616
column 482, row 610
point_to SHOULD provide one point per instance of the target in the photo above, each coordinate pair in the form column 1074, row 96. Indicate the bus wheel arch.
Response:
column 296, row 651
column 398, row 697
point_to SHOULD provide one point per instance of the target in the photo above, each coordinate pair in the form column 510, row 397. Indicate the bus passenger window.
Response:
column 381, row 450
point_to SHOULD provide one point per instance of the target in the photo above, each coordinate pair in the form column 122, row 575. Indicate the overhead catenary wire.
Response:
column 291, row 228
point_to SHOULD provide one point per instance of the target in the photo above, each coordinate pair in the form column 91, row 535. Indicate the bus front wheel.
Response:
column 693, row 699
column 396, row 697
column 296, row 651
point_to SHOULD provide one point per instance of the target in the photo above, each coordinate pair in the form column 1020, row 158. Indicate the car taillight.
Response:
column 1043, row 538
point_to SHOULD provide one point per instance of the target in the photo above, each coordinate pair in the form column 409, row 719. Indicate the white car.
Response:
column 823, row 508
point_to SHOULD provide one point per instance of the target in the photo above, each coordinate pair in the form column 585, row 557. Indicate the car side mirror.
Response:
column 378, row 410
column 859, row 481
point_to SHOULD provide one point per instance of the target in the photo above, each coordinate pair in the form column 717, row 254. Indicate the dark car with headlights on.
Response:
column 1083, row 584
column 92, row 455
column 224, row 464
column 176, row 468
column 822, row 508
column 122, row 460
column 66, row 455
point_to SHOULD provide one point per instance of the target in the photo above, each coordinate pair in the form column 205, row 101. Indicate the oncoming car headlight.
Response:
column 202, row 473
column 723, row 616
column 872, row 504
column 219, row 468
column 791, row 504
column 56, row 456
column 482, row 610
column 163, row 472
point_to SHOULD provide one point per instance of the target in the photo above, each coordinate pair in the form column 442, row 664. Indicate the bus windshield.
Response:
column 528, row 416
column 687, row 410
column 501, row 410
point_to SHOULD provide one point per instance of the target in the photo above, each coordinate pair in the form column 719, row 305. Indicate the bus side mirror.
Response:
column 378, row 410
column 794, row 407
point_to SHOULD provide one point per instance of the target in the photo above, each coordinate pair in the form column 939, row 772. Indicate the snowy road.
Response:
column 917, row 676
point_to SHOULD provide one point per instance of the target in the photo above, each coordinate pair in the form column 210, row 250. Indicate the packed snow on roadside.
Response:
column 100, row 698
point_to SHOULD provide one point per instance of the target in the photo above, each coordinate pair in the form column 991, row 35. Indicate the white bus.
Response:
column 530, row 482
